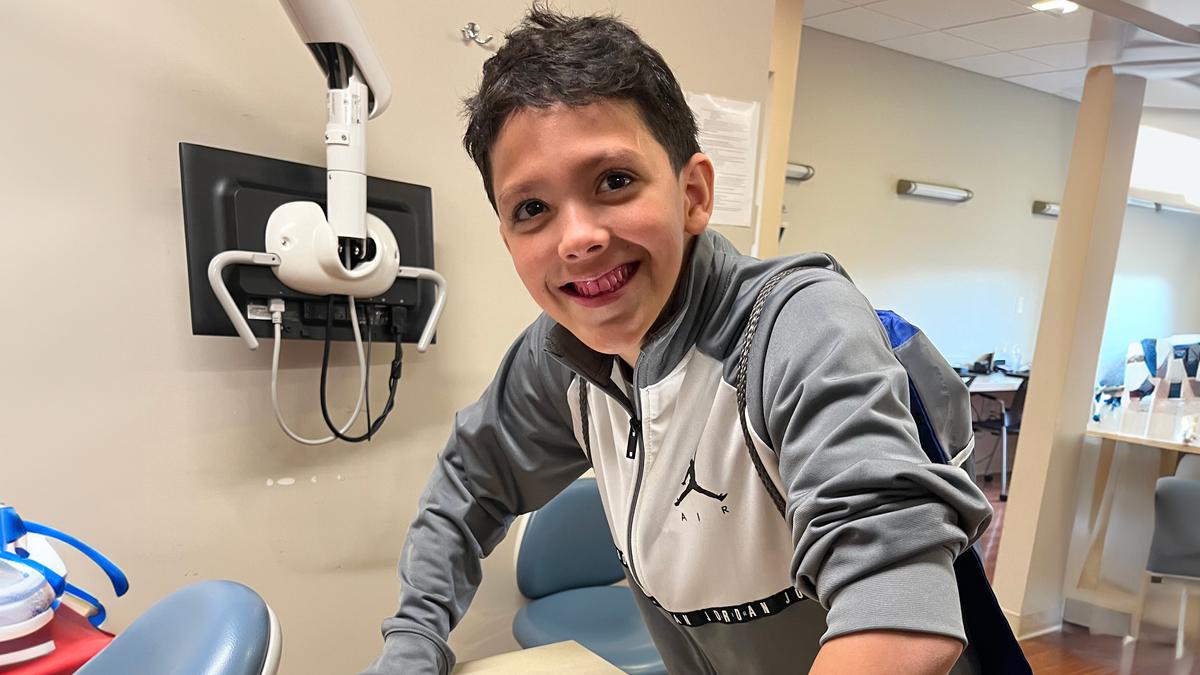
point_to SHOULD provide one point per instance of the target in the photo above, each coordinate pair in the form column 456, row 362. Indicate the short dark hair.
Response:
column 553, row 58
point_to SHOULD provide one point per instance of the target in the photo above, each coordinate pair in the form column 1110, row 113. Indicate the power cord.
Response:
column 367, row 383
column 393, row 380
column 276, row 307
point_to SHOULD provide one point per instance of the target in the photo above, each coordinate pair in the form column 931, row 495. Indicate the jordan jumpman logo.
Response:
column 690, row 482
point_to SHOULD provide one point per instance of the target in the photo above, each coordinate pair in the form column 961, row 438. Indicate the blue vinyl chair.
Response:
column 566, row 565
column 208, row 628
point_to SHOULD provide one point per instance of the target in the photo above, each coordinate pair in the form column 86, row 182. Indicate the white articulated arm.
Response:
column 438, row 305
column 217, row 266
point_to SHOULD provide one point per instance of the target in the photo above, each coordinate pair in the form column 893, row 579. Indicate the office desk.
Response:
column 555, row 659
column 1114, row 517
column 993, row 383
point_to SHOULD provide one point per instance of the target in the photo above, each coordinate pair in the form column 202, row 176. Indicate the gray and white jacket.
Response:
column 872, row 527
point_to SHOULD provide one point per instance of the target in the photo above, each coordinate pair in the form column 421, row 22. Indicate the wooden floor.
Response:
column 1075, row 651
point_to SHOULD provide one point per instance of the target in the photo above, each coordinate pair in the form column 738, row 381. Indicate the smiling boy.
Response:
column 588, row 154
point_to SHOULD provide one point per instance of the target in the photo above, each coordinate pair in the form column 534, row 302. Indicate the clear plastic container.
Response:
column 25, row 601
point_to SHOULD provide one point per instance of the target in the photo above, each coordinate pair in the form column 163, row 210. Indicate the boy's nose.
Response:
column 582, row 238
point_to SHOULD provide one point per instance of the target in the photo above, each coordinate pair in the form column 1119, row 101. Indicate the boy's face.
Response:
column 595, row 219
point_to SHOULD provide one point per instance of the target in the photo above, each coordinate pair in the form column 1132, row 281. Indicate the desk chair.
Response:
column 209, row 628
column 1007, row 422
column 566, row 565
column 1175, row 548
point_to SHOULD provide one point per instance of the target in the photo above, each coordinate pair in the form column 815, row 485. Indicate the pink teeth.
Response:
column 607, row 283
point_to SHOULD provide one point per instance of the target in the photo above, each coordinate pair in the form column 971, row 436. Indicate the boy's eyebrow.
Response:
column 606, row 156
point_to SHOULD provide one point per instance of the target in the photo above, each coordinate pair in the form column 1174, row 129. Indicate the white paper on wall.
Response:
column 729, row 136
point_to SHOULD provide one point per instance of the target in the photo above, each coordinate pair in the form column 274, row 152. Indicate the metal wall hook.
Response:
column 471, row 32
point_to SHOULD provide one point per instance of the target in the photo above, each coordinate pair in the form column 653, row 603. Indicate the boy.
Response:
column 588, row 154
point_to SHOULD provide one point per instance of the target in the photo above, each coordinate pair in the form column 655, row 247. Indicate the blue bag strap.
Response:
column 119, row 581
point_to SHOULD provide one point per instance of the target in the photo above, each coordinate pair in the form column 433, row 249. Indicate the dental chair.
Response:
column 567, row 565
column 208, row 628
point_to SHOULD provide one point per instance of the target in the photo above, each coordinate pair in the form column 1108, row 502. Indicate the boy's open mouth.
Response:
column 604, row 284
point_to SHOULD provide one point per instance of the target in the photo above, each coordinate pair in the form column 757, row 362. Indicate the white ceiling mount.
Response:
column 1168, row 69
column 1145, row 19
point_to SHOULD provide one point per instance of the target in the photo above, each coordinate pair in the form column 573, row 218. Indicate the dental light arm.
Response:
column 359, row 89
column 342, row 249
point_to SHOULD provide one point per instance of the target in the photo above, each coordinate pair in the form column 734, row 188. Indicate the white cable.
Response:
column 276, row 318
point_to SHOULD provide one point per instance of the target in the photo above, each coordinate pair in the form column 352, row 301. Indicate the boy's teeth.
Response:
column 605, row 284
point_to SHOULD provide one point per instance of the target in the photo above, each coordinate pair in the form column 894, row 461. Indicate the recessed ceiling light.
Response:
column 1063, row 6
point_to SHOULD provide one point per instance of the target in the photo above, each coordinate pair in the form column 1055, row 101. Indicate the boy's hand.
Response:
column 888, row 652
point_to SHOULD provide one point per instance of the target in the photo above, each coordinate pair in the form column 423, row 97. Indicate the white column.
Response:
column 1033, row 548
column 785, row 59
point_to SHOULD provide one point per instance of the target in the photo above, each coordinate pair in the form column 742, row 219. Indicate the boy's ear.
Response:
column 696, row 179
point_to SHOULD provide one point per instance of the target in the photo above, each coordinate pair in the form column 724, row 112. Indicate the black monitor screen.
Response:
column 228, row 197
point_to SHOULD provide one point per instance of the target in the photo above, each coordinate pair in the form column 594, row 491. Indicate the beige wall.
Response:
column 867, row 116
column 157, row 446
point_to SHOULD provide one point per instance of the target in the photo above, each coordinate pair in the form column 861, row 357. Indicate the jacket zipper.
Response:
column 635, row 435
column 635, row 442
column 636, row 439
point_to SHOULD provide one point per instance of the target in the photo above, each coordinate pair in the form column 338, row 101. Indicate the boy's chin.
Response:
column 602, row 345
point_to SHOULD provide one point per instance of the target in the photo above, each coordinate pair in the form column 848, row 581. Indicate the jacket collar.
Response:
column 704, row 279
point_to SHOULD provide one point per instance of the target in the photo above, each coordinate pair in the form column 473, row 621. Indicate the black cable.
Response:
column 367, row 375
column 393, row 381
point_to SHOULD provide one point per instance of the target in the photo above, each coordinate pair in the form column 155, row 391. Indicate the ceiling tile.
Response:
column 1029, row 30
column 863, row 24
column 940, row 14
column 1000, row 65
column 1056, row 82
column 1067, row 56
column 936, row 46
column 813, row 8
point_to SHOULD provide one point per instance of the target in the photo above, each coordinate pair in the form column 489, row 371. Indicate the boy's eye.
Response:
column 529, row 209
column 616, row 181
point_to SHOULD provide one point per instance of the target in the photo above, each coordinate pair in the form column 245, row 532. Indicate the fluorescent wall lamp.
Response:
column 1159, row 206
column 799, row 172
column 1053, row 208
column 931, row 191
column 1047, row 209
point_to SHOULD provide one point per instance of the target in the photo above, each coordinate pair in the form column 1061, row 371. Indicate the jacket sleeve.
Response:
column 509, row 453
column 876, row 526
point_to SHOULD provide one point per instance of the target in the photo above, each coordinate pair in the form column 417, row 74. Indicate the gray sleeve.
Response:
column 876, row 526
column 509, row 453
